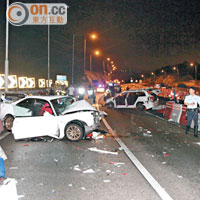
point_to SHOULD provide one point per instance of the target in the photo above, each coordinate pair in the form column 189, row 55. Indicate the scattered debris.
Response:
column 164, row 163
column 106, row 181
column 166, row 154
column 25, row 145
column 70, row 185
column 147, row 135
column 117, row 164
column 13, row 167
column 53, row 192
column 148, row 132
column 179, row 176
column 83, row 188
column 198, row 143
column 124, row 174
column 89, row 171
column 102, row 151
column 55, row 160
column 76, row 168
column 108, row 171
column 8, row 190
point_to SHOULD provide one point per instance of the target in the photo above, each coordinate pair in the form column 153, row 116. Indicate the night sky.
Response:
column 142, row 35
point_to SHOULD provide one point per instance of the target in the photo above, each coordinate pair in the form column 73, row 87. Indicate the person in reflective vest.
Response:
column 191, row 101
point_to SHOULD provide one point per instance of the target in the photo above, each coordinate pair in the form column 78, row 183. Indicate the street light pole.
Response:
column 73, row 61
column 104, row 67
column 195, row 71
column 48, row 75
column 84, row 54
column 6, row 53
column 90, row 62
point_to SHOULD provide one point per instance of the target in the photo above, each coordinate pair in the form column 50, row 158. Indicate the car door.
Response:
column 36, row 125
column 131, row 99
column 142, row 98
column 120, row 101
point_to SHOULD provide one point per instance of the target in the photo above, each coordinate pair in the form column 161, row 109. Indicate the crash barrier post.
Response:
column 176, row 112
column 183, row 119
column 2, row 168
column 168, row 110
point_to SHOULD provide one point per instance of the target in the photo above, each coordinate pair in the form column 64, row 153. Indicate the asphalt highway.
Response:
column 64, row 170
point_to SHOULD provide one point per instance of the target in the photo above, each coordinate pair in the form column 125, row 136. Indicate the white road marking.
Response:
column 156, row 186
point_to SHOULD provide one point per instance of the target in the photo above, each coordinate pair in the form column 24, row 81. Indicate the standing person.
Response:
column 71, row 91
column 91, row 95
column 191, row 102
column 51, row 92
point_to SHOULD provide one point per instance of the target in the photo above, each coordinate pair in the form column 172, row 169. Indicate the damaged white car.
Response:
column 139, row 99
column 53, row 116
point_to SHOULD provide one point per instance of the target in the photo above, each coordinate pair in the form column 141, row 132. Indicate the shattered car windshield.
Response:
column 61, row 104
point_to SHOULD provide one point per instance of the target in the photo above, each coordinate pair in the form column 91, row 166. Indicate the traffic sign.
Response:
column 50, row 82
column 41, row 83
column 31, row 82
column 22, row 82
column 2, row 81
column 12, row 81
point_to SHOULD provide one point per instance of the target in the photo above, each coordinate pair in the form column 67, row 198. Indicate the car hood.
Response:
column 79, row 106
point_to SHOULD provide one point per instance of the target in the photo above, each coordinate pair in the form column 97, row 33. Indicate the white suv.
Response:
column 140, row 99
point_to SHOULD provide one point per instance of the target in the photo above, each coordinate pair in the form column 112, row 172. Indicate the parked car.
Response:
column 54, row 116
column 139, row 99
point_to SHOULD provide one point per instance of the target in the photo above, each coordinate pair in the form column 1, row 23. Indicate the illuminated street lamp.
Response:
column 93, row 36
column 195, row 67
column 112, row 62
column 97, row 52
column 108, row 59
column 142, row 75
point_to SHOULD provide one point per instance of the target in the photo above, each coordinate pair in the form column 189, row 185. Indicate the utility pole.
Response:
column 84, row 54
column 90, row 62
column 6, row 52
column 48, row 73
column 73, row 61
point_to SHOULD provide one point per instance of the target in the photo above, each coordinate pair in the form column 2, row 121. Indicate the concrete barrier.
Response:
column 176, row 112
column 168, row 110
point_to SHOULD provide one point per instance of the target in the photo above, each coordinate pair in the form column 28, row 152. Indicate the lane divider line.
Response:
column 156, row 186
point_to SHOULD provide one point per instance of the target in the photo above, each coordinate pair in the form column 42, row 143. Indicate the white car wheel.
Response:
column 74, row 132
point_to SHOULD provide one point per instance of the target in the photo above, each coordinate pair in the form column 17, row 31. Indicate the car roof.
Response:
column 135, row 90
column 49, row 98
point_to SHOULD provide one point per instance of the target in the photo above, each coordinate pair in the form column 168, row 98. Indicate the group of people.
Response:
column 192, row 101
column 79, row 92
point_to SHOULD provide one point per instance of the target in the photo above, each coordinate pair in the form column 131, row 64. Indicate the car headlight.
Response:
column 81, row 90
column 96, row 117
